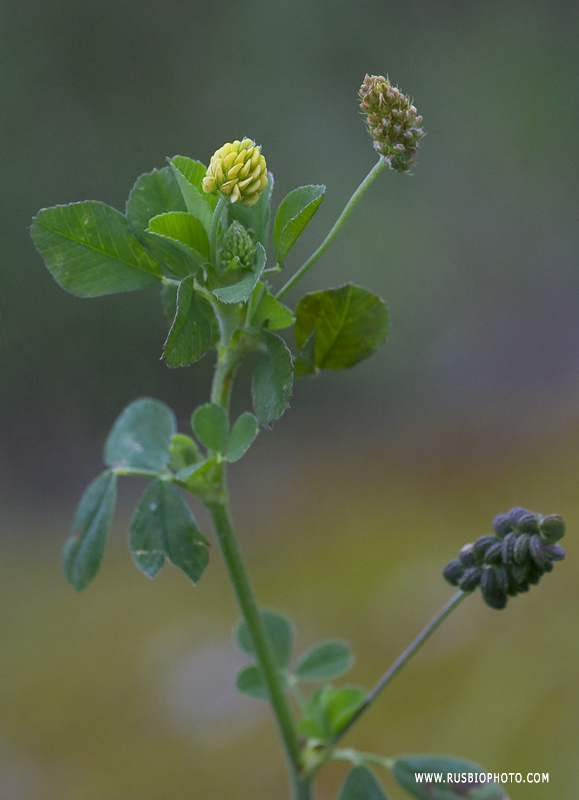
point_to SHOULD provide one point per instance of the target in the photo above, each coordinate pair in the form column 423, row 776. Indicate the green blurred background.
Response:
column 351, row 506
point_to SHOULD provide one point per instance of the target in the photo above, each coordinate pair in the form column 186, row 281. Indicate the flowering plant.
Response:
column 201, row 234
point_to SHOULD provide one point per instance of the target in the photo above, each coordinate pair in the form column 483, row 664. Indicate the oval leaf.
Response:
column 211, row 426
column 155, row 193
column 189, row 175
column 272, row 380
column 294, row 213
column 325, row 661
column 434, row 783
column 184, row 231
column 349, row 323
column 242, row 436
column 250, row 682
column 90, row 251
column 279, row 631
column 360, row 784
column 270, row 312
column 342, row 704
column 84, row 549
column 191, row 332
column 141, row 436
column 239, row 290
column 163, row 527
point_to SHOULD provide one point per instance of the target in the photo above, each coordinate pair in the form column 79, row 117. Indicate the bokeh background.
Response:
column 350, row 507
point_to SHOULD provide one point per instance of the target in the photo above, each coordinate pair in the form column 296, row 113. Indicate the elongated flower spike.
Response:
column 237, row 171
column 521, row 550
column 392, row 121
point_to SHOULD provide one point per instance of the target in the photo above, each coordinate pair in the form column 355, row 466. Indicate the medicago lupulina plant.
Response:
column 201, row 234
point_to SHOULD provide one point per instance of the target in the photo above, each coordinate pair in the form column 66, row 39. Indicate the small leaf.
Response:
column 349, row 324
column 343, row 704
column 141, row 436
column 191, row 332
column 84, row 549
column 272, row 380
column 211, row 426
column 90, row 251
column 271, row 313
column 242, row 436
column 257, row 217
column 250, row 682
column 360, row 784
column 200, row 479
column 239, row 290
column 155, row 193
column 185, row 232
column 189, row 175
column 163, row 527
column 279, row 631
column 294, row 213
column 435, row 771
column 325, row 661
column 316, row 724
column 184, row 452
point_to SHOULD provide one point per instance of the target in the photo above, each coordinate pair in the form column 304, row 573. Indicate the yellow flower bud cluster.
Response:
column 238, row 171
column 392, row 121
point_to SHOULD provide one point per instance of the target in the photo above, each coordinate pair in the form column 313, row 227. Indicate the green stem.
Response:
column 263, row 652
column 422, row 637
column 215, row 223
column 356, row 757
column 370, row 177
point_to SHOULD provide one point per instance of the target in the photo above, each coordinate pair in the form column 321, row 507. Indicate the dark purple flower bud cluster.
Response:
column 521, row 550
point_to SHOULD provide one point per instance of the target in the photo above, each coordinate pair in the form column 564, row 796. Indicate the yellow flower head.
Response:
column 238, row 171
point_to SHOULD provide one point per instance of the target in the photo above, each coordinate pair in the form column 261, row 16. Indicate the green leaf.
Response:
column 325, row 661
column 189, row 175
column 183, row 452
column 185, row 232
column 279, row 631
column 239, row 290
column 272, row 380
column 360, row 784
column 89, row 250
column 257, row 217
column 141, row 436
column 169, row 300
column 270, row 312
column 200, row 479
column 191, row 332
column 406, row 768
column 211, row 426
column 349, row 324
column 242, row 436
column 343, row 704
column 163, row 527
column 294, row 213
column 155, row 193
column 249, row 681
column 83, row 551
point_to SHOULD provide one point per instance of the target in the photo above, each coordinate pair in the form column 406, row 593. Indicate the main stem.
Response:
column 422, row 637
column 301, row 786
column 374, row 172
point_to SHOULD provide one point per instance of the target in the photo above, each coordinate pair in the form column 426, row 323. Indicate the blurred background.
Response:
column 351, row 506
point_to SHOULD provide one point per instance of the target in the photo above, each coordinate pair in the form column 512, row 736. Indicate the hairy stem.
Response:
column 374, row 172
column 215, row 223
column 422, row 637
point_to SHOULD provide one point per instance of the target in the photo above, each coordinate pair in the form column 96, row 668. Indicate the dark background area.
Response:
column 378, row 475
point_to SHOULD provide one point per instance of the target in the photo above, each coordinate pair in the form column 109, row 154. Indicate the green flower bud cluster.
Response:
column 237, row 248
column 392, row 121
column 519, row 552
column 237, row 171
